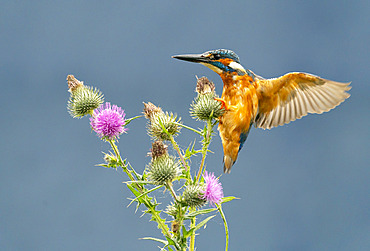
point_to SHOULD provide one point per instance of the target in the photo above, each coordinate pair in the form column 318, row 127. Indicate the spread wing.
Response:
column 294, row 95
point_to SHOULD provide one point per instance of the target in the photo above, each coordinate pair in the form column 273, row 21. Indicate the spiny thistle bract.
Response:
column 83, row 101
column 159, row 120
column 193, row 196
column 169, row 122
column 205, row 107
column 163, row 170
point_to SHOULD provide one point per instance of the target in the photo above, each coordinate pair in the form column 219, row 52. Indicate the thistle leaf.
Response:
column 201, row 224
column 196, row 213
column 155, row 239
column 227, row 199
column 143, row 194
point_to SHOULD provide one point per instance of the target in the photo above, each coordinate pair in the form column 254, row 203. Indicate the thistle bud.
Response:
column 193, row 196
column 163, row 170
column 171, row 210
column 205, row 107
column 161, row 125
column 111, row 160
column 83, row 99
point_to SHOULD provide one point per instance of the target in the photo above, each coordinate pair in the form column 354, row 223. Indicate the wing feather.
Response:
column 276, row 119
column 302, row 103
column 282, row 116
column 294, row 95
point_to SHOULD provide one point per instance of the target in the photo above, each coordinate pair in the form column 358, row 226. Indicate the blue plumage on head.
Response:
column 224, row 53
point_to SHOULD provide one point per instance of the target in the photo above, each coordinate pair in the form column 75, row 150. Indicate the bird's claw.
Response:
column 223, row 103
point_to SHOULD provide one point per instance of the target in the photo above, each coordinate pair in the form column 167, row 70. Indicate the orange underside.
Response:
column 241, row 100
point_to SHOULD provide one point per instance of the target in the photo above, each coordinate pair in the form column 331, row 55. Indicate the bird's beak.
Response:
column 195, row 58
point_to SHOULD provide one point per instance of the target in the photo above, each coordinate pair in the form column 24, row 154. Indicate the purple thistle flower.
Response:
column 108, row 121
column 213, row 190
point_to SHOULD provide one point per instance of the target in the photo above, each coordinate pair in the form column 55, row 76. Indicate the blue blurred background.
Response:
column 303, row 186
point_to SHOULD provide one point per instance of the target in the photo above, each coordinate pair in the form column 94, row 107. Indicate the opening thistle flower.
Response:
column 108, row 121
column 213, row 190
column 83, row 99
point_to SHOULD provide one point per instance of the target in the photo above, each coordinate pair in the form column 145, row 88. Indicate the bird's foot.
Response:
column 223, row 103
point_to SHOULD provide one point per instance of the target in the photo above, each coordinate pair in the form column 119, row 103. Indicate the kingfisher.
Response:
column 250, row 99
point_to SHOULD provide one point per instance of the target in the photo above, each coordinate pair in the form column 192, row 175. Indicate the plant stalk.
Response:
column 206, row 142
column 124, row 167
column 176, row 147
column 219, row 207
column 192, row 237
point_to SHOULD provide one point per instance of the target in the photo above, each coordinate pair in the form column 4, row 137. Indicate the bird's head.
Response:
column 220, row 61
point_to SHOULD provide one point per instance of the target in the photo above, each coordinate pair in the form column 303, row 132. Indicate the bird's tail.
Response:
column 228, row 163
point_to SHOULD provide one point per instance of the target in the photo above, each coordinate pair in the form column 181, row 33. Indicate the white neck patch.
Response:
column 237, row 66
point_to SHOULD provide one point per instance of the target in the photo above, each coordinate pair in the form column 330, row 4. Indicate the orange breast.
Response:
column 241, row 98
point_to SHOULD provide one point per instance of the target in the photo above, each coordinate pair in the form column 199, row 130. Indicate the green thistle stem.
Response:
column 192, row 237
column 134, row 172
column 169, row 186
column 206, row 142
column 189, row 128
column 163, row 227
column 219, row 207
column 124, row 167
column 176, row 147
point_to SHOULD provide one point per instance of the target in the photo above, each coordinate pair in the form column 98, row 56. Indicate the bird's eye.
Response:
column 216, row 56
